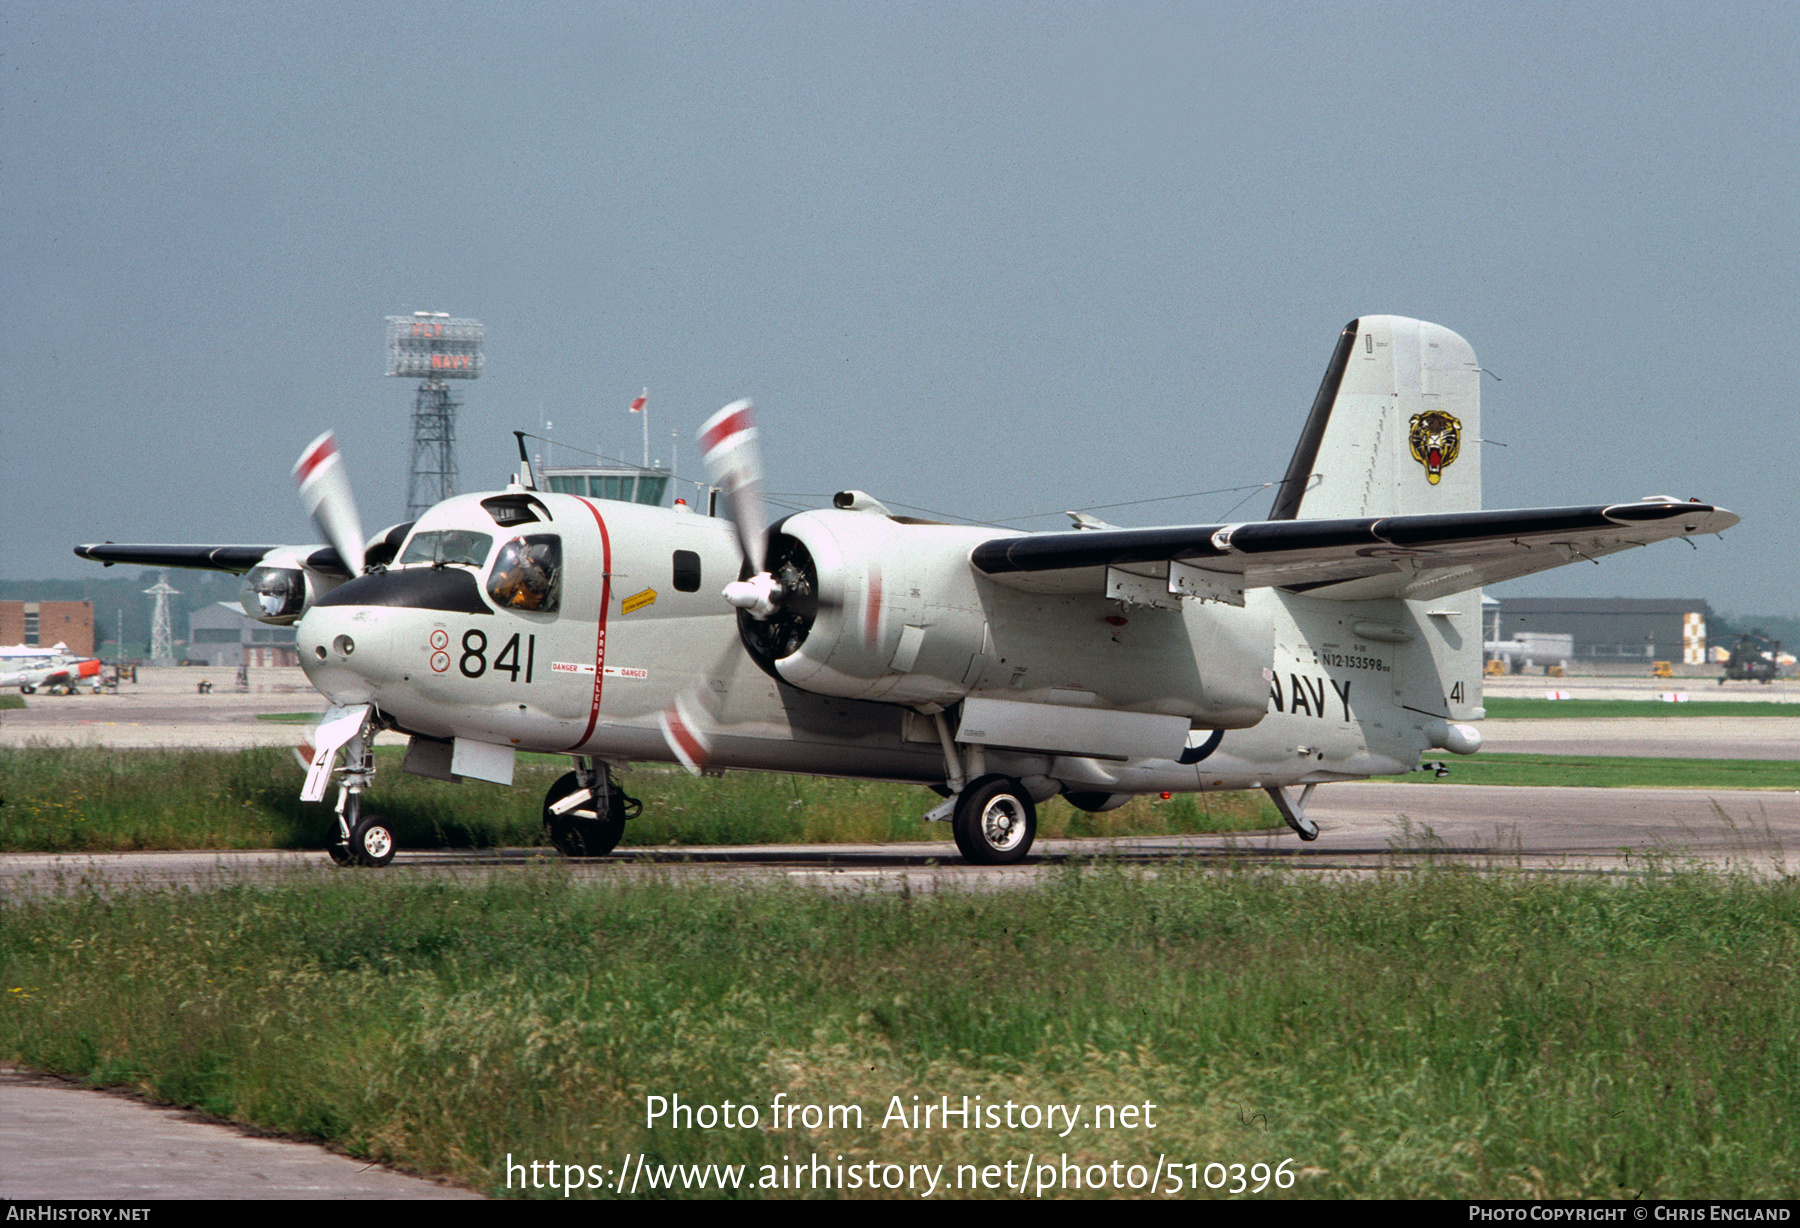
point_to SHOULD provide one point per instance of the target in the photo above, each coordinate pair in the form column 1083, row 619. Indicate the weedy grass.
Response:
column 1607, row 772
column 12, row 703
column 91, row 799
column 1439, row 1034
column 1504, row 707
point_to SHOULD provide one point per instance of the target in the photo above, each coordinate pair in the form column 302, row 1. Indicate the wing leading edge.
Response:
column 234, row 559
column 1418, row 556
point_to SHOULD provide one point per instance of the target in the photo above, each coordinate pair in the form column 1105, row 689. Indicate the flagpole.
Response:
column 646, row 413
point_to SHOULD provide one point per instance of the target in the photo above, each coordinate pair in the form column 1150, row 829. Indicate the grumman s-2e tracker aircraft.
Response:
column 1336, row 640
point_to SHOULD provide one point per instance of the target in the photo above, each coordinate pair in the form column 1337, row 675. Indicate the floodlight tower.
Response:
column 432, row 347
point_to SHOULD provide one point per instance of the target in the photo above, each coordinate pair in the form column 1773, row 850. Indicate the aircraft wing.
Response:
column 1420, row 557
column 234, row 559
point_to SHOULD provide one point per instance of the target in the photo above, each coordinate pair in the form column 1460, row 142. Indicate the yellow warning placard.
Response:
column 637, row 601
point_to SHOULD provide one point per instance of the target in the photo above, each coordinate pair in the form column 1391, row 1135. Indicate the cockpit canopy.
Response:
column 463, row 547
column 527, row 574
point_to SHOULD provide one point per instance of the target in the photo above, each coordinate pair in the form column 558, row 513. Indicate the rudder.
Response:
column 1394, row 430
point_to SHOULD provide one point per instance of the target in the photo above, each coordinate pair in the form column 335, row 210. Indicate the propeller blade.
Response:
column 325, row 490
column 685, row 729
column 734, row 462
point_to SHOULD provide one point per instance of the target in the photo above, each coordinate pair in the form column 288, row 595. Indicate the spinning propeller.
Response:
column 325, row 490
column 734, row 462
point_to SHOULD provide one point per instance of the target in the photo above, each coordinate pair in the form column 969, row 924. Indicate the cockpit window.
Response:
column 527, row 574
column 458, row 546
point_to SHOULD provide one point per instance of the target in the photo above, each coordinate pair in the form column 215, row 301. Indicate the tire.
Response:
column 339, row 854
column 583, row 837
column 995, row 821
column 372, row 841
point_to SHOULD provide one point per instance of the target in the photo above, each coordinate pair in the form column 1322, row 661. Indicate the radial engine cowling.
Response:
column 872, row 608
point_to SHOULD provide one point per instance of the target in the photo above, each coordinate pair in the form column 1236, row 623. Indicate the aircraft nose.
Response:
column 346, row 651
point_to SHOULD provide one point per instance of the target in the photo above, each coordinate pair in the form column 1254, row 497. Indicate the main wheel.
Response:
column 995, row 821
column 339, row 854
column 577, row 835
column 371, row 841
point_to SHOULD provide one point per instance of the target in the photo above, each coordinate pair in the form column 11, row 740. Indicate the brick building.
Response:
column 44, row 624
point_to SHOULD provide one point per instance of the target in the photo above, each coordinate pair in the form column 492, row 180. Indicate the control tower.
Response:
column 433, row 348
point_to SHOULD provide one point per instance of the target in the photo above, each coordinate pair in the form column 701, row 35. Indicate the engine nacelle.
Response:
column 877, row 608
column 279, row 589
column 855, row 619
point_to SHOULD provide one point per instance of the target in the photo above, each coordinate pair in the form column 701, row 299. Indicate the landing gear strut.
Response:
column 585, row 811
column 1295, row 811
column 362, row 839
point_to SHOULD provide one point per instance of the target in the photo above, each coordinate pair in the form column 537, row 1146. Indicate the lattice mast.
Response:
column 432, row 347
column 162, row 635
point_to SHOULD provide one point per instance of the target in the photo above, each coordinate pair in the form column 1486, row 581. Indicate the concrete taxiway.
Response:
column 61, row 1141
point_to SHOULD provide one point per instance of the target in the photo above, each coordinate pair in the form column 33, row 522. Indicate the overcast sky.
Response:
column 987, row 260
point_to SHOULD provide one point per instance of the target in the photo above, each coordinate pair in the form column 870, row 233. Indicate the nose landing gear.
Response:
column 361, row 839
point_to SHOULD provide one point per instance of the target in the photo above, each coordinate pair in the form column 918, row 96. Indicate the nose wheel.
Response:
column 363, row 839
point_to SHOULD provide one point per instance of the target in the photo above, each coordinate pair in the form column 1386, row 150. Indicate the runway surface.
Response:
column 1365, row 827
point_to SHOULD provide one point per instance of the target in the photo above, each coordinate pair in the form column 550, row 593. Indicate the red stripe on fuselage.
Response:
column 600, row 634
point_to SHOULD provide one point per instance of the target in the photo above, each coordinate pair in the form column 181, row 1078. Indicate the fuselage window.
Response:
column 459, row 546
column 527, row 574
column 687, row 571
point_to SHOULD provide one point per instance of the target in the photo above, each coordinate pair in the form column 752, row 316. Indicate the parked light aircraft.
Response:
column 55, row 669
column 1336, row 640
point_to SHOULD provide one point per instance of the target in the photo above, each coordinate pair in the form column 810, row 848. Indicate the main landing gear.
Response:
column 994, row 821
column 585, row 812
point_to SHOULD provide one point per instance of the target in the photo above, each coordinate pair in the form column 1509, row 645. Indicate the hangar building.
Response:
column 1616, row 631
column 222, row 635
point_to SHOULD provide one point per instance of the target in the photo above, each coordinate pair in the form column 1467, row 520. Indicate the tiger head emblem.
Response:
column 1436, row 438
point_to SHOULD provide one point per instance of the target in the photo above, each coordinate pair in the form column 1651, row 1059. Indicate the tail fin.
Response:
column 1395, row 429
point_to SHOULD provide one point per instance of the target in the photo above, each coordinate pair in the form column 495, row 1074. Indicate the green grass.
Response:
column 11, row 703
column 289, row 718
column 100, row 800
column 1441, row 1034
column 1507, row 708
column 1604, row 772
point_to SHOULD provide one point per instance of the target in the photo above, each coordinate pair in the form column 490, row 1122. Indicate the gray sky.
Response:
column 986, row 260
